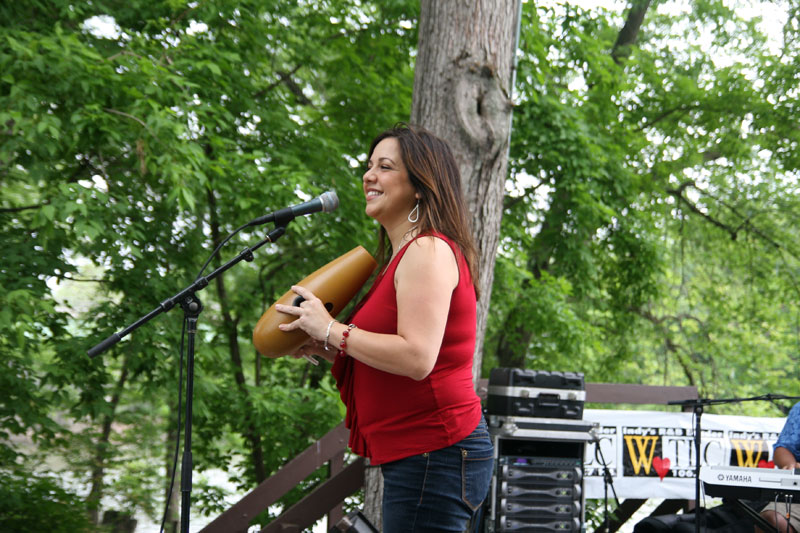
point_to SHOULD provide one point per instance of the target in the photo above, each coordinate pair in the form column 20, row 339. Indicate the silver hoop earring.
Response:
column 415, row 213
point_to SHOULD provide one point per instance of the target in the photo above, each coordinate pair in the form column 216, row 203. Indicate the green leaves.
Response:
column 654, row 196
column 126, row 157
column 30, row 503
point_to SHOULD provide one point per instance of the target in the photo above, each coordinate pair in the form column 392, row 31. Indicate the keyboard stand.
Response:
column 755, row 515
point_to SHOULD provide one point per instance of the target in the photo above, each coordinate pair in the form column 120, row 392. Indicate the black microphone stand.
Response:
column 698, row 406
column 608, row 481
column 192, row 307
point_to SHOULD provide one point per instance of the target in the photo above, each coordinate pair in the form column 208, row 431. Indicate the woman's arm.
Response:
column 785, row 459
column 424, row 283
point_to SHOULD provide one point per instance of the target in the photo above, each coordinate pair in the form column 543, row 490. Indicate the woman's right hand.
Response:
column 316, row 348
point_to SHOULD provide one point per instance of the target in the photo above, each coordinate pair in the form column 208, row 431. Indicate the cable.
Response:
column 219, row 246
column 788, row 503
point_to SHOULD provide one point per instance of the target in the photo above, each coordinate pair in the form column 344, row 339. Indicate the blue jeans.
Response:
column 441, row 490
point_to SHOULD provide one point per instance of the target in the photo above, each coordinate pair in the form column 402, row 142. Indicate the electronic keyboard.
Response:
column 750, row 483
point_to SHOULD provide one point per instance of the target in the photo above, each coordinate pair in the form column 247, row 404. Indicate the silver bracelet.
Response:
column 328, row 334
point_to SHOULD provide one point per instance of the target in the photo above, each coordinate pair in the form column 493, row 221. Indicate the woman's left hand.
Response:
column 312, row 317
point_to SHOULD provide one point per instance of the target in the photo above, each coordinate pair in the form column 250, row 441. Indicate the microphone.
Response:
column 327, row 202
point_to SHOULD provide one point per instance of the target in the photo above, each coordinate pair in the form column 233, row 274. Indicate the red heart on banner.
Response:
column 766, row 464
column 661, row 466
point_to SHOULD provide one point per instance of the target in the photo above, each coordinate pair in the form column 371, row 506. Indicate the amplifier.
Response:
column 540, row 510
column 535, row 393
column 541, row 493
column 549, row 476
column 508, row 523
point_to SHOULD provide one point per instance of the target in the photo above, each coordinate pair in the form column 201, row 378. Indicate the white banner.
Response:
column 651, row 454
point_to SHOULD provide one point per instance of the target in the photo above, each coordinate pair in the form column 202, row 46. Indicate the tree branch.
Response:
column 285, row 77
column 23, row 208
column 294, row 88
column 123, row 53
column 670, row 346
column 746, row 223
column 126, row 115
column 185, row 12
column 665, row 114
column 678, row 194
column 630, row 31
column 81, row 280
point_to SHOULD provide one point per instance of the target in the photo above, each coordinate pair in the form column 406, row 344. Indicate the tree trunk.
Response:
column 630, row 31
column 102, row 448
column 173, row 485
column 230, row 326
column 462, row 92
column 373, row 496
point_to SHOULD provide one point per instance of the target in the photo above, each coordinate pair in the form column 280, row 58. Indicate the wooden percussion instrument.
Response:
column 335, row 284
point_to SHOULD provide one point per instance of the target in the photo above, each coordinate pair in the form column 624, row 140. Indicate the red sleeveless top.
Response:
column 391, row 417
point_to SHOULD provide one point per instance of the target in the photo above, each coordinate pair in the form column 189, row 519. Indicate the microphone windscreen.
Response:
column 329, row 201
column 335, row 284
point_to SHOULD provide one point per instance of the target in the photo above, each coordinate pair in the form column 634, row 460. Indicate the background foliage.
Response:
column 648, row 232
column 653, row 240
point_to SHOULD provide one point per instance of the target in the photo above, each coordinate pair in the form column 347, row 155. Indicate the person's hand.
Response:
column 314, row 348
column 784, row 459
column 312, row 317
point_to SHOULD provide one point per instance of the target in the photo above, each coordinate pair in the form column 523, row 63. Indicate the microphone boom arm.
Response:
column 198, row 284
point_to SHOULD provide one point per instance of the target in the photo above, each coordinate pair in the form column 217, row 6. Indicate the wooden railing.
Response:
column 343, row 481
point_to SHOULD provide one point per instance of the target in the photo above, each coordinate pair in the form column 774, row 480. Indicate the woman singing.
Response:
column 403, row 361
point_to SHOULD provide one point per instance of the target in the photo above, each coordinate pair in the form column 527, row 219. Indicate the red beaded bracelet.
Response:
column 345, row 334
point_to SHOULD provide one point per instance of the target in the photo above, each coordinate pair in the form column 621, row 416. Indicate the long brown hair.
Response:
column 434, row 174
